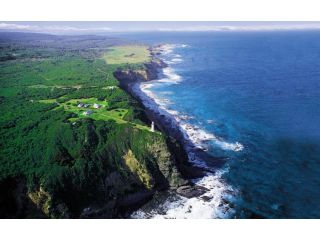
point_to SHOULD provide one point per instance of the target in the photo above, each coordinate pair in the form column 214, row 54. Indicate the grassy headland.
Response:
column 130, row 54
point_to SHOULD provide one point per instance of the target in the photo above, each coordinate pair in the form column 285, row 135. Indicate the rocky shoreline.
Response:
column 129, row 80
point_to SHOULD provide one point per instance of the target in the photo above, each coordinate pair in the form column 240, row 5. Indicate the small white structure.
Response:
column 152, row 127
column 87, row 113
column 111, row 87
column 80, row 105
column 95, row 105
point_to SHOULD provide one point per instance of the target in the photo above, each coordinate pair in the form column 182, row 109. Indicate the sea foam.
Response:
column 195, row 138
column 215, row 203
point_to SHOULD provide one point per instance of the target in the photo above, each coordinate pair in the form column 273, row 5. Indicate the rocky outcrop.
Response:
column 118, row 208
column 153, row 68
column 41, row 199
column 167, row 162
column 191, row 191
column 149, row 71
column 138, row 169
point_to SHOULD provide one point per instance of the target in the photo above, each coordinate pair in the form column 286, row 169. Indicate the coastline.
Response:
column 131, row 82
column 205, row 191
column 156, row 70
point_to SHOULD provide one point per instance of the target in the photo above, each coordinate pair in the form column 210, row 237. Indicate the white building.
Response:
column 152, row 127
column 87, row 113
column 95, row 105
column 111, row 87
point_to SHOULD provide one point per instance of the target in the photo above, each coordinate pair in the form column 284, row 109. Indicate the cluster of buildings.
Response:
column 86, row 105
column 83, row 105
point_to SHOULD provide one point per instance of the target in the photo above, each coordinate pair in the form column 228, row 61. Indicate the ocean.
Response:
column 251, row 99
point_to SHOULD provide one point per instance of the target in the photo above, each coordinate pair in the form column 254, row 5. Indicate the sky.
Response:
column 62, row 27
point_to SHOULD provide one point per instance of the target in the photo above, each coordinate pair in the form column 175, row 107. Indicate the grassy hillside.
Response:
column 54, row 160
column 130, row 54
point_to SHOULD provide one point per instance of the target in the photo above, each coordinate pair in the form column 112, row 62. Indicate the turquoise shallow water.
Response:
column 256, row 96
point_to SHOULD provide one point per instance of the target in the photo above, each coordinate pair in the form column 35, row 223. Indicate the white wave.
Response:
column 170, row 76
column 230, row 146
column 176, row 60
column 212, row 204
column 166, row 49
column 201, row 138
column 168, row 55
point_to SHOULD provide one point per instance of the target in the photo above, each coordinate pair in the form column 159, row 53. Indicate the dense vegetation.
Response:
column 54, row 160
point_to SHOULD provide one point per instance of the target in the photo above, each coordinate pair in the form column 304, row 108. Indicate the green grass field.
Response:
column 131, row 54
column 102, row 113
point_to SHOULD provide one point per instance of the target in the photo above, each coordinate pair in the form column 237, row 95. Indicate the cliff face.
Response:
column 118, row 168
column 149, row 72
column 145, row 165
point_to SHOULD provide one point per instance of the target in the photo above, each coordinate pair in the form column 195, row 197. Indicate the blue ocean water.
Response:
column 261, row 90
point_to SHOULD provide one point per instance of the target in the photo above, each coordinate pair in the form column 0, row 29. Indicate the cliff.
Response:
column 148, row 72
column 121, row 170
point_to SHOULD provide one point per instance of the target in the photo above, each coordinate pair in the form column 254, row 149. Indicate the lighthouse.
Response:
column 152, row 127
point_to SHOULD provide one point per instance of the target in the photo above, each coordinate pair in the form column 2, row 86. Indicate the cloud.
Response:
column 277, row 27
column 50, row 28
column 9, row 26
column 65, row 28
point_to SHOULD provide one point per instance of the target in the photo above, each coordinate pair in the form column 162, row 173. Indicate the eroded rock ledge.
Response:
column 148, row 72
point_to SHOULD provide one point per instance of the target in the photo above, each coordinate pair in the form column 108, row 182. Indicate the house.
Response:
column 86, row 105
column 87, row 113
column 80, row 105
column 95, row 105
column 111, row 87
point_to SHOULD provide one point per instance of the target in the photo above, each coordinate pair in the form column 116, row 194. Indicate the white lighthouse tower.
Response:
column 152, row 126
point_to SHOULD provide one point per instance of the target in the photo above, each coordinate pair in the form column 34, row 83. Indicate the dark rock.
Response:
column 107, row 211
column 134, row 198
column 191, row 172
column 206, row 198
column 191, row 191
column 133, row 201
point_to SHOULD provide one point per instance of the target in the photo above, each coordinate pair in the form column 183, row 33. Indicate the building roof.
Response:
column 95, row 105
column 88, row 112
